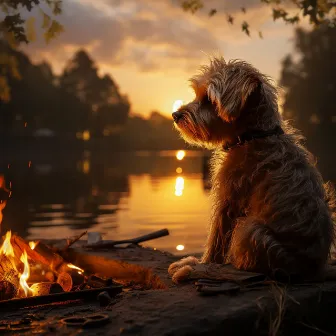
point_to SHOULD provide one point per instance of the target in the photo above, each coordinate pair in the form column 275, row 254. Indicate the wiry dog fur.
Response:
column 270, row 208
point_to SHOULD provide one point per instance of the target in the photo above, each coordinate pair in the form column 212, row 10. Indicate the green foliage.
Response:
column 15, row 30
column 53, row 31
column 245, row 28
column 15, row 25
column 192, row 5
column 318, row 11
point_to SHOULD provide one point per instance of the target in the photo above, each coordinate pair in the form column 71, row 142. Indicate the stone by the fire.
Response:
column 94, row 237
column 104, row 299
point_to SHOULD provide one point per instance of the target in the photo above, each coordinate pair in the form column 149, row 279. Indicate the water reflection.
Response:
column 180, row 155
column 120, row 195
column 179, row 186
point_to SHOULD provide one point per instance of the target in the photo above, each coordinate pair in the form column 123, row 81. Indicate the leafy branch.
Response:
column 317, row 11
column 15, row 30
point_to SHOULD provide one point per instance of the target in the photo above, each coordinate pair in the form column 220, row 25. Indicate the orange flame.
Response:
column 2, row 203
column 32, row 244
column 25, row 275
column 80, row 271
column 7, row 248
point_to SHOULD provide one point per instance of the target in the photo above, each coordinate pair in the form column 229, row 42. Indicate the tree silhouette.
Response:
column 80, row 78
column 310, row 85
column 37, row 102
column 108, row 107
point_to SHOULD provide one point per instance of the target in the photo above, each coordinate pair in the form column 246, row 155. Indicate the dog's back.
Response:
column 271, row 210
column 281, row 214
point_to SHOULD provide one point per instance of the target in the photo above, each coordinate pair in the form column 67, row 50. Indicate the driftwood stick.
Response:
column 85, row 295
column 112, row 243
column 70, row 242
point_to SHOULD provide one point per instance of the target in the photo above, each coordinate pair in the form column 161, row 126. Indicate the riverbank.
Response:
column 181, row 310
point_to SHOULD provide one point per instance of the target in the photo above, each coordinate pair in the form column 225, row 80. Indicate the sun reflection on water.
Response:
column 179, row 186
column 143, row 199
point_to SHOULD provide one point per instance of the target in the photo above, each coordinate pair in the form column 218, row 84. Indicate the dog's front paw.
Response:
column 180, row 270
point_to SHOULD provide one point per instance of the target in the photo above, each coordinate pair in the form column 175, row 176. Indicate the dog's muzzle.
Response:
column 177, row 116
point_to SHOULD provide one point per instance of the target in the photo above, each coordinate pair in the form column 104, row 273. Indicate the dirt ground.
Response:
column 181, row 310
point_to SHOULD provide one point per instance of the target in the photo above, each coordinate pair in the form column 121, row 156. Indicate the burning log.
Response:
column 8, row 270
column 19, row 258
column 7, row 290
column 41, row 273
column 65, row 280
column 46, row 288
column 9, row 275
column 41, row 253
column 52, row 263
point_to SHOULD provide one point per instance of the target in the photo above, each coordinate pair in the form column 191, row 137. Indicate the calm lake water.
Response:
column 121, row 195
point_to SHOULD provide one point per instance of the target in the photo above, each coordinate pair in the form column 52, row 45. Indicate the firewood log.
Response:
column 41, row 254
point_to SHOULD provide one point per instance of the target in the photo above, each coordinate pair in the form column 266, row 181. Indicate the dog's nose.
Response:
column 177, row 116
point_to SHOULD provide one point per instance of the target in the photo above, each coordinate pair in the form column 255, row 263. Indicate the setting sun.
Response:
column 180, row 155
column 177, row 104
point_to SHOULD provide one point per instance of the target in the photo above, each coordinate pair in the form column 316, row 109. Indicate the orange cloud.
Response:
column 151, row 47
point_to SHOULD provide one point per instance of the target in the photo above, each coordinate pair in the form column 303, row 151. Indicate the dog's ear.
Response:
column 231, row 96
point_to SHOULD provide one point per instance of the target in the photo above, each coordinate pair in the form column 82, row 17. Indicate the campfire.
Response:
column 33, row 273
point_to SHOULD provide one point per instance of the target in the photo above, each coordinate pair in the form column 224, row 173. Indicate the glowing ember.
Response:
column 180, row 155
column 2, row 206
column 32, row 244
column 2, row 202
column 7, row 248
column 177, row 104
column 80, row 271
column 25, row 275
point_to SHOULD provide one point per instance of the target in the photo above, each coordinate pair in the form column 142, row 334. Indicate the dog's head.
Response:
column 230, row 99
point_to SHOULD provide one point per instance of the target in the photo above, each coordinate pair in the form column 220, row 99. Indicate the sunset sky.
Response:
column 152, row 47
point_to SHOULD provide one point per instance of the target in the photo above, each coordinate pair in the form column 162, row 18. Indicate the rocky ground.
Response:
column 182, row 310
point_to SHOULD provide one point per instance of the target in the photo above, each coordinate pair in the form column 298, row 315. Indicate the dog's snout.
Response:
column 177, row 116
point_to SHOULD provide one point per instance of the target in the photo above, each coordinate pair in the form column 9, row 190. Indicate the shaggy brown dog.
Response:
column 271, row 210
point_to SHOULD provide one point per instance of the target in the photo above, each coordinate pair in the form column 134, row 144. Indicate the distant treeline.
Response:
column 80, row 99
column 78, row 104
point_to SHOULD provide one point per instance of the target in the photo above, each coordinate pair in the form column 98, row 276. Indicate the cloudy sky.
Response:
column 152, row 47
